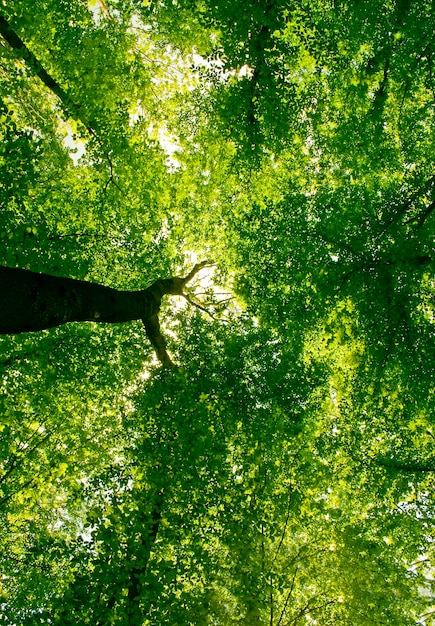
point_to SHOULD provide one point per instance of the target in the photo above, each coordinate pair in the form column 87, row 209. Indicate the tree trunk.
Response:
column 31, row 302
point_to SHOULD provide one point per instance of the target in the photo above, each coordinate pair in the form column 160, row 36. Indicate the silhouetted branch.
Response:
column 402, row 467
column 153, row 332
column 422, row 217
column 198, row 267
column 71, row 107
column 284, row 608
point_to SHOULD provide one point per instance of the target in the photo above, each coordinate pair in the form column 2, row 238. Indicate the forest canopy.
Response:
column 283, row 473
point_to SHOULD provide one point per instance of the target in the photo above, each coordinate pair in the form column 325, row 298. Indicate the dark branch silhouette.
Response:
column 32, row 302
column 71, row 107
column 146, row 540
column 36, row 67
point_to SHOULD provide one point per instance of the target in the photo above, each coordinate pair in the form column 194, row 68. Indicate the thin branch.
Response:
column 287, row 598
column 214, row 293
column 283, row 534
column 309, row 609
column 24, row 453
column 14, row 493
column 35, row 65
column 111, row 178
column 271, row 601
column 199, row 306
column 404, row 208
column 422, row 217
column 220, row 303
column 195, row 270
column 70, row 106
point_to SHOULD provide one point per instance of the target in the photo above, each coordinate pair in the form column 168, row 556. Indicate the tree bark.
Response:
column 32, row 302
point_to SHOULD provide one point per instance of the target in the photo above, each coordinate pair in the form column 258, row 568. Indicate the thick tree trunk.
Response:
column 32, row 302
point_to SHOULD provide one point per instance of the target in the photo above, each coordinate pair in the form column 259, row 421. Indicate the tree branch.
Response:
column 146, row 540
column 71, row 107
column 38, row 69
column 290, row 593
column 154, row 334
column 402, row 467
column 195, row 270
column 422, row 217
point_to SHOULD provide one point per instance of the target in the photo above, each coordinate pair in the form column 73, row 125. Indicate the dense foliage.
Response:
column 283, row 474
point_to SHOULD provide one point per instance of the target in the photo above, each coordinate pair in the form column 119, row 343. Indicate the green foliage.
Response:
column 283, row 473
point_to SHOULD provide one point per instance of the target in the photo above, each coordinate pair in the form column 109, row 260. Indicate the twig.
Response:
column 283, row 534
column 199, row 306
column 214, row 293
column 221, row 302
column 287, row 598
column 196, row 269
